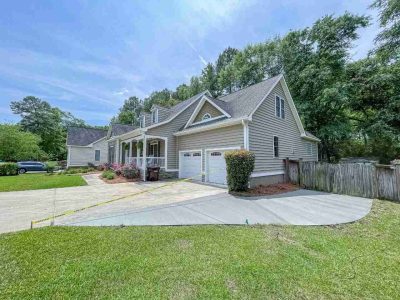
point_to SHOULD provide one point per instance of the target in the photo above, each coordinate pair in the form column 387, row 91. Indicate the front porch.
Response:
column 144, row 151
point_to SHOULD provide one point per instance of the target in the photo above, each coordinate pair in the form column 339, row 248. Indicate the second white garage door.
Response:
column 216, row 167
column 190, row 164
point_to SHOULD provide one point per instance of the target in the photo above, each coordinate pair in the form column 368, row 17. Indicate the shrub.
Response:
column 117, row 168
column 91, row 165
column 239, row 166
column 50, row 168
column 130, row 171
column 104, row 167
column 8, row 169
column 108, row 174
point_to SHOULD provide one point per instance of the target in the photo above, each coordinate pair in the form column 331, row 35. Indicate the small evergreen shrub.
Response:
column 239, row 166
column 108, row 174
column 8, row 169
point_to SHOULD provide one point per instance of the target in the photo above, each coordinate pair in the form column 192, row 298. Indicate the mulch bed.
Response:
column 118, row 179
column 271, row 189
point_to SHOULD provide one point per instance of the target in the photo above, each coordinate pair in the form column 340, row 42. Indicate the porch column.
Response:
column 117, row 152
column 129, row 151
column 144, row 156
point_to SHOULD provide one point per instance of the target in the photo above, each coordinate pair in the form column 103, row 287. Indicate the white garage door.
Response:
column 190, row 165
column 216, row 166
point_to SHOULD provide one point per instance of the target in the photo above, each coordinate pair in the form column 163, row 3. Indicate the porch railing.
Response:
column 150, row 161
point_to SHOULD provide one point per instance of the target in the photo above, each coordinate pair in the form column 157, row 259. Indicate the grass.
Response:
column 354, row 261
column 38, row 181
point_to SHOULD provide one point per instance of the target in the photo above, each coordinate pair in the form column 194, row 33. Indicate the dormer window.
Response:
column 154, row 116
column 141, row 121
column 206, row 117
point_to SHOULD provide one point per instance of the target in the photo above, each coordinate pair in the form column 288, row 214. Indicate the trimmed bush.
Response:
column 8, row 169
column 239, row 166
column 108, row 174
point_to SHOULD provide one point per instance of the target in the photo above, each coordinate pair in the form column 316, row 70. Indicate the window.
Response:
column 311, row 149
column 154, row 116
column 216, row 153
column 97, row 155
column 276, row 146
column 186, row 154
column 206, row 116
column 141, row 121
column 279, row 107
column 196, row 154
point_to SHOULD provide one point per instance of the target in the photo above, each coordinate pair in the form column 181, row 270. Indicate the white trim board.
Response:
column 203, row 100
column 221, row 124
column 268, row 173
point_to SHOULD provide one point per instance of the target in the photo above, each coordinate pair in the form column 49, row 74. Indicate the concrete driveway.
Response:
column 18, row 209
column 175, row 203
column 301, row 207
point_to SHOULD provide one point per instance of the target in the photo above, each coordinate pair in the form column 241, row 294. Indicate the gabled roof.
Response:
column 80, row 136
column 212, row 102
column 243, row 102
column 118, row 129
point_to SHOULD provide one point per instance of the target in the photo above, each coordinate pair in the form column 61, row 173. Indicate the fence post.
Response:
column 287, row 175
column 299, row 171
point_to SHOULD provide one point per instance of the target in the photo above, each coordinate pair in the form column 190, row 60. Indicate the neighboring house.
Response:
column 86, row 145
column 190, row 138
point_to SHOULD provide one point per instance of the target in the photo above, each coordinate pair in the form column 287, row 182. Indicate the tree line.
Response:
column 41, row 133
column 352, row 106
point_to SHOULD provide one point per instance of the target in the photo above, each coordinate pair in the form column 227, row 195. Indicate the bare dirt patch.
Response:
column 118, row 179
column 271, row 189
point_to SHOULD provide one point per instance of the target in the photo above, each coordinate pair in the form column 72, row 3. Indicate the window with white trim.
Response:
column 206, row 116
column 154, row 116
column 276, row 146
column 141, row 121
column 279, row 107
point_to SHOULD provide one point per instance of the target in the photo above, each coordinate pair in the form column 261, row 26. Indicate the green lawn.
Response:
column 38, row 181
column 354, row 261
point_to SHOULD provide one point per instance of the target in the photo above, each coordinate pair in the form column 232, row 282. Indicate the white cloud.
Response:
column 121, row 92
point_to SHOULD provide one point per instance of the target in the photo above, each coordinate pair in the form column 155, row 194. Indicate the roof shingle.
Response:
column 81, row 136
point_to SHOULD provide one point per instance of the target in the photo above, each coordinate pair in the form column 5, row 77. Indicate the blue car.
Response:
column 25, row 166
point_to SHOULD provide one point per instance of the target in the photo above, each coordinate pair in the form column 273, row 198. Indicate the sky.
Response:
column 86, row 57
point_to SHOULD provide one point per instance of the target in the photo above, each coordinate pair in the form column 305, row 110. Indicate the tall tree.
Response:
column 182, row 92
column 163, row 98
column 314, row 62
column 225, row 59
column 129, row 111
column 209, row 79
column 388, row 41
column 195, row 86
column 38, row 117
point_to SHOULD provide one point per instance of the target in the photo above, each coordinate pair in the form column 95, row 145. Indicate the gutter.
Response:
column 306, row 137
column 227, row 123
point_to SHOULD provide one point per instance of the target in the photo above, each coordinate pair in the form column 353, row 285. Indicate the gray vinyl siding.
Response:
column 168, row 130
column 265, row 125
column 231, row 136
column 207, row 108
column 81, row 156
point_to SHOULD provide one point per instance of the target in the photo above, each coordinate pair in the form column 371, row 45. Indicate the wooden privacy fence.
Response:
column 355, row 179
